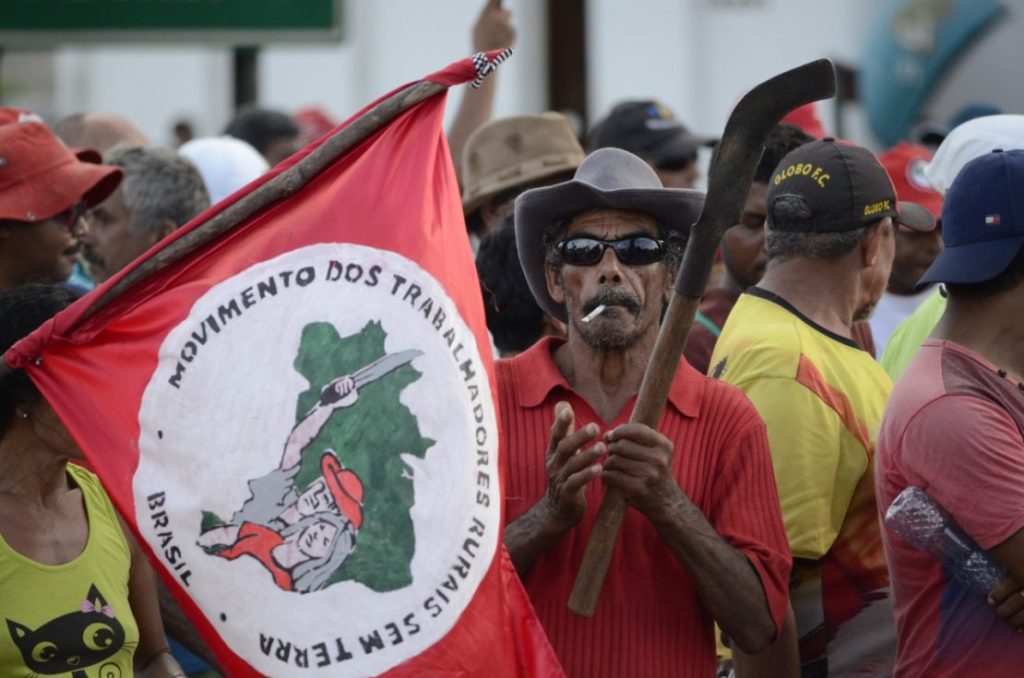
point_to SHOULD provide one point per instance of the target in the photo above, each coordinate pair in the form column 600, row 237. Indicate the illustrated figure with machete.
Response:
column 703, row 540
column 302, row 536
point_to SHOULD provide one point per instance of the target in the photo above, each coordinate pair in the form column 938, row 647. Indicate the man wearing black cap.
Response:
column 955, row 427
column 788, row 345
column 703, row 540
column 45, row 189
column 650, row 130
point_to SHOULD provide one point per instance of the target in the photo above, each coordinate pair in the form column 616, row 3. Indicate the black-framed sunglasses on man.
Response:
column 635, row 250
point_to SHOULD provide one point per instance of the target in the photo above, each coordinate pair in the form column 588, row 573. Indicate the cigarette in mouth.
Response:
column 593, row 314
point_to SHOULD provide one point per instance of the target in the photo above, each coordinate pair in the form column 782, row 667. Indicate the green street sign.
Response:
column 44, row 23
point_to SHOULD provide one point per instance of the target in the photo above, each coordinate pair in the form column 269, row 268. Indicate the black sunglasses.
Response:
column 636, row 250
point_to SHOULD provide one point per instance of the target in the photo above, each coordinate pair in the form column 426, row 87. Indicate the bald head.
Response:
column 101, row 131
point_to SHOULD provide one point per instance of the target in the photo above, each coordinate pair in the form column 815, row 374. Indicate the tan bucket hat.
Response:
column 516, row 151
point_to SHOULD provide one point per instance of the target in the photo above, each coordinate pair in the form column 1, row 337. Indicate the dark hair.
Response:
column 260, row 127
column 513, row 316
column 781, row 140
column 1010, row 278
column 22, row 310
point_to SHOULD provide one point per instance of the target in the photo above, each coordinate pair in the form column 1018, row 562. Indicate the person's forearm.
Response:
column 531, row 535
column 475, row 109
column 781, row 659
column 724, row 579
column 303, row 434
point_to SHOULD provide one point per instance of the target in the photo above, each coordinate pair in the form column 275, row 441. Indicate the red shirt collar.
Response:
column 535, row 376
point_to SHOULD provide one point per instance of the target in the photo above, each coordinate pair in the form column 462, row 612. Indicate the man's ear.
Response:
column 871, row 243
column 553, row 278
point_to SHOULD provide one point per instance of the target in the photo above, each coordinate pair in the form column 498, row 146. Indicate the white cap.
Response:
column 970, row 140
column 226, row 164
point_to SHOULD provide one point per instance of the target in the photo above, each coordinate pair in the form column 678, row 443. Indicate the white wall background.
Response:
column 698, row 56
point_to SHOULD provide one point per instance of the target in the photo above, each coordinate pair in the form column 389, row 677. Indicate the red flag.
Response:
column 298, row 422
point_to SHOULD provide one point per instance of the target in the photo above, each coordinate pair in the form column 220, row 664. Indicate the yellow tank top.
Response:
column 70, row 620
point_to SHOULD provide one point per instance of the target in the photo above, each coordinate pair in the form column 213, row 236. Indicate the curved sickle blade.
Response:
column 736, row 159
column 731, row 173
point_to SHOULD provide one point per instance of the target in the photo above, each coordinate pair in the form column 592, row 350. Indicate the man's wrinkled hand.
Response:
column 569, row 469
column 639, row 465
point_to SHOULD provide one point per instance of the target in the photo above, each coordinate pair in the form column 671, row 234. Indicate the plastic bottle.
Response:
column 920, row 521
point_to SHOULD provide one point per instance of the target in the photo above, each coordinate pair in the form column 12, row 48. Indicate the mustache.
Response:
column 91, row 256
column 613, row 297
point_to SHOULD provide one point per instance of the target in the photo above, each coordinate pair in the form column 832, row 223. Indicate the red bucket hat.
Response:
column 40, row 176
column 345, row 487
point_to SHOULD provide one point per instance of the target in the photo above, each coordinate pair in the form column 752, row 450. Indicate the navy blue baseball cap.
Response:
column 982, row 220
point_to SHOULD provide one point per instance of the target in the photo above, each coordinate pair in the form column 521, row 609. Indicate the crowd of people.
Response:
column 755, row 542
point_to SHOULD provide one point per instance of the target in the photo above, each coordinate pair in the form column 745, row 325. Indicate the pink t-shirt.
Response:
column 954, row 428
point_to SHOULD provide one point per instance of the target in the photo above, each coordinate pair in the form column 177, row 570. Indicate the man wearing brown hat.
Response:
column 788, row 345
column 44, row 190
column 702, row 541
column 506, row 157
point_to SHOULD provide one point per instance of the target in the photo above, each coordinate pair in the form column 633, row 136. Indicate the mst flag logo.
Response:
column 349, row 465
column 289, row 401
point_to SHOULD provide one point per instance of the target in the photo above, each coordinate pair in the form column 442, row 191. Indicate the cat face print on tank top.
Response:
column 76, row 643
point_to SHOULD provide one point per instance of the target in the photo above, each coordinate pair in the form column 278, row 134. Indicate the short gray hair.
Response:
column 159, row 186
column 791, row 233
column 786, row 244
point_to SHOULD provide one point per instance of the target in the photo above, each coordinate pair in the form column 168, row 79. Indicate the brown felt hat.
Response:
column 516, row 151
column 608, row 178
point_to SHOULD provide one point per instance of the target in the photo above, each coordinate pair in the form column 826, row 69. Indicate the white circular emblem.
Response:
column 318, row 461
column 916, row 175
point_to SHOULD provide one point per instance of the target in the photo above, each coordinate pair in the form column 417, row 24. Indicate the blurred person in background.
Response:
column 650, row 130
column 45, row 189
column 101, row 131
column 514, row 319
column 966, row 142
column 507, row 156
column 160, row 192
column 225, row 163
column 274, row 134
column 915, row 250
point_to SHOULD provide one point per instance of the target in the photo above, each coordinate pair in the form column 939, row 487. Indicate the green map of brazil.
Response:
column 371, row 436
column 338, row 507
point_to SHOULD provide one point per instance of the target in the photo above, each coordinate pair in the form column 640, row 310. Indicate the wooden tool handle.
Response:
column 649, row 406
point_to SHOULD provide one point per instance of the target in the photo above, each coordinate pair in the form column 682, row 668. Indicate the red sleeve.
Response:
column 968, row 455
column 746, row 511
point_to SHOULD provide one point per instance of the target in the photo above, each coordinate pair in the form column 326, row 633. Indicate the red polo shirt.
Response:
column 649, row 621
